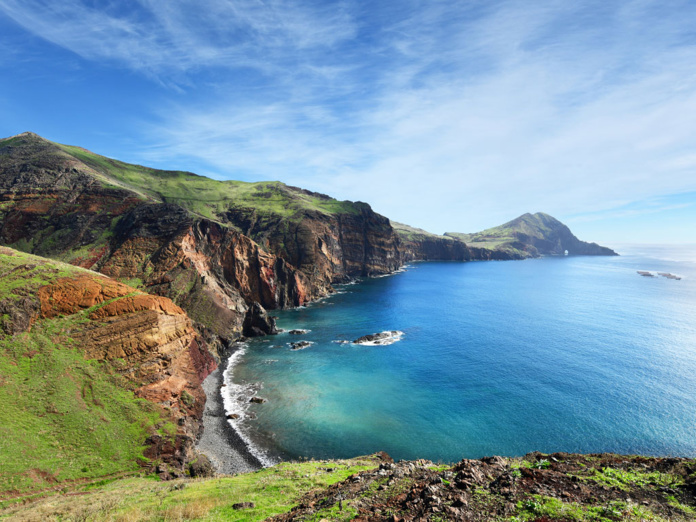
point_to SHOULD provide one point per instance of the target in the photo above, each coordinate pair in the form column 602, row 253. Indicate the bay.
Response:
column 577, row 354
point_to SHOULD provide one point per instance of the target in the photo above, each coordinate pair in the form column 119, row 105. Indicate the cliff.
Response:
column 532, row 235
column 223, row 251
column 96, row 378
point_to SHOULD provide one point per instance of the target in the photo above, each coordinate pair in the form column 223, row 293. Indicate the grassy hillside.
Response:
column 63, row 418
column 535, row 488
column 273, row 490
column 207, row 197
column 533, row 225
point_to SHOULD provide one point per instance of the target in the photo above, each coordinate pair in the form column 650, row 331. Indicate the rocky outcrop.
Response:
column 539, row 487
column 150, row 339
column 441, row 248
column 147, row 339
column 327, row 248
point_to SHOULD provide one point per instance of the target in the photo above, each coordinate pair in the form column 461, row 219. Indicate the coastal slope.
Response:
column 96, row 378
column 223, row 251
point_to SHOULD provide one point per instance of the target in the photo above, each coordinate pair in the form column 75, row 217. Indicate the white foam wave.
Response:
column 235, row 398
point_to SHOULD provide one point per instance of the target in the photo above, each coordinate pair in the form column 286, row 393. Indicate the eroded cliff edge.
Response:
column 96, row 376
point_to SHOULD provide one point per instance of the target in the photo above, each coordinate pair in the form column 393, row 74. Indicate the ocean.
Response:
column 576, row 354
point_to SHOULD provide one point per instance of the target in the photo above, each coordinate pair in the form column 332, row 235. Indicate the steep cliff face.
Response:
column 65, row 328
column 212, row 271
column 327, row 248
column 54, row 204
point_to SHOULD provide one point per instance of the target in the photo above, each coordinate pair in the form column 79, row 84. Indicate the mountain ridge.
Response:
column 216, row 248
column 532, row 235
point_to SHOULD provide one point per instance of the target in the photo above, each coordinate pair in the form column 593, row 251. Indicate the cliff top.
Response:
column 202, row 196
column 411, row 233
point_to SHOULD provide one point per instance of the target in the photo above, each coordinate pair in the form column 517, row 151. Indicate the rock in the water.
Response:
column 381, row 338
column 299, row 345
column 258, row 323
column 233, row 416
column 298, row 331
column 257, row 400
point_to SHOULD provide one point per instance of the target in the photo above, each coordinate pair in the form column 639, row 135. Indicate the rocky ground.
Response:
column 539, row 487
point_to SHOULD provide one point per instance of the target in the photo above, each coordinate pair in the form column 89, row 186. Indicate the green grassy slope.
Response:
column 208, row 197
column 63, row 418
column 272, row 490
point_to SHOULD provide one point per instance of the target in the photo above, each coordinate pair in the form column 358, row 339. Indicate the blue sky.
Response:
column 446, row 115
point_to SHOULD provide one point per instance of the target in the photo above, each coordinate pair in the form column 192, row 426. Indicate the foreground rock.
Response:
column 538, row 487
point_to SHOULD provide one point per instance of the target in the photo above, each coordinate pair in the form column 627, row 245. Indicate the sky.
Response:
column 445, row 115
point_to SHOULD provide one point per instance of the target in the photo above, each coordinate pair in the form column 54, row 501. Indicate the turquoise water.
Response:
column 573, row 354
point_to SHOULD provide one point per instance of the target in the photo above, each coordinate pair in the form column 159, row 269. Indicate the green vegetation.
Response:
column 540, row 506
column 63, row 418
column 21, row 274
column 414, row 234
column 208, row 197
column 273, row 490
column 625, row 480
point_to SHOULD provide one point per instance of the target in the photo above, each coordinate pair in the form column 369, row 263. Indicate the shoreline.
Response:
column 219, row 441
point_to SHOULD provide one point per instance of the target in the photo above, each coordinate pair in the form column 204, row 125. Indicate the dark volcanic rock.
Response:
column 201, row 467
column 258, row 323
column 387, row 337
column 537, row 487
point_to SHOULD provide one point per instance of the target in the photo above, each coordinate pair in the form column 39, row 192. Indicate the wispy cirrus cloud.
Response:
column 179, row 35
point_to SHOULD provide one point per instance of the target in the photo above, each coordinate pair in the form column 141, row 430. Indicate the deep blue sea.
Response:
column 577, row 354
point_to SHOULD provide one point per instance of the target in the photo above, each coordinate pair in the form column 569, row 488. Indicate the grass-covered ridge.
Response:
column 208, row 197
column 64, row 419
column 410, row 233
